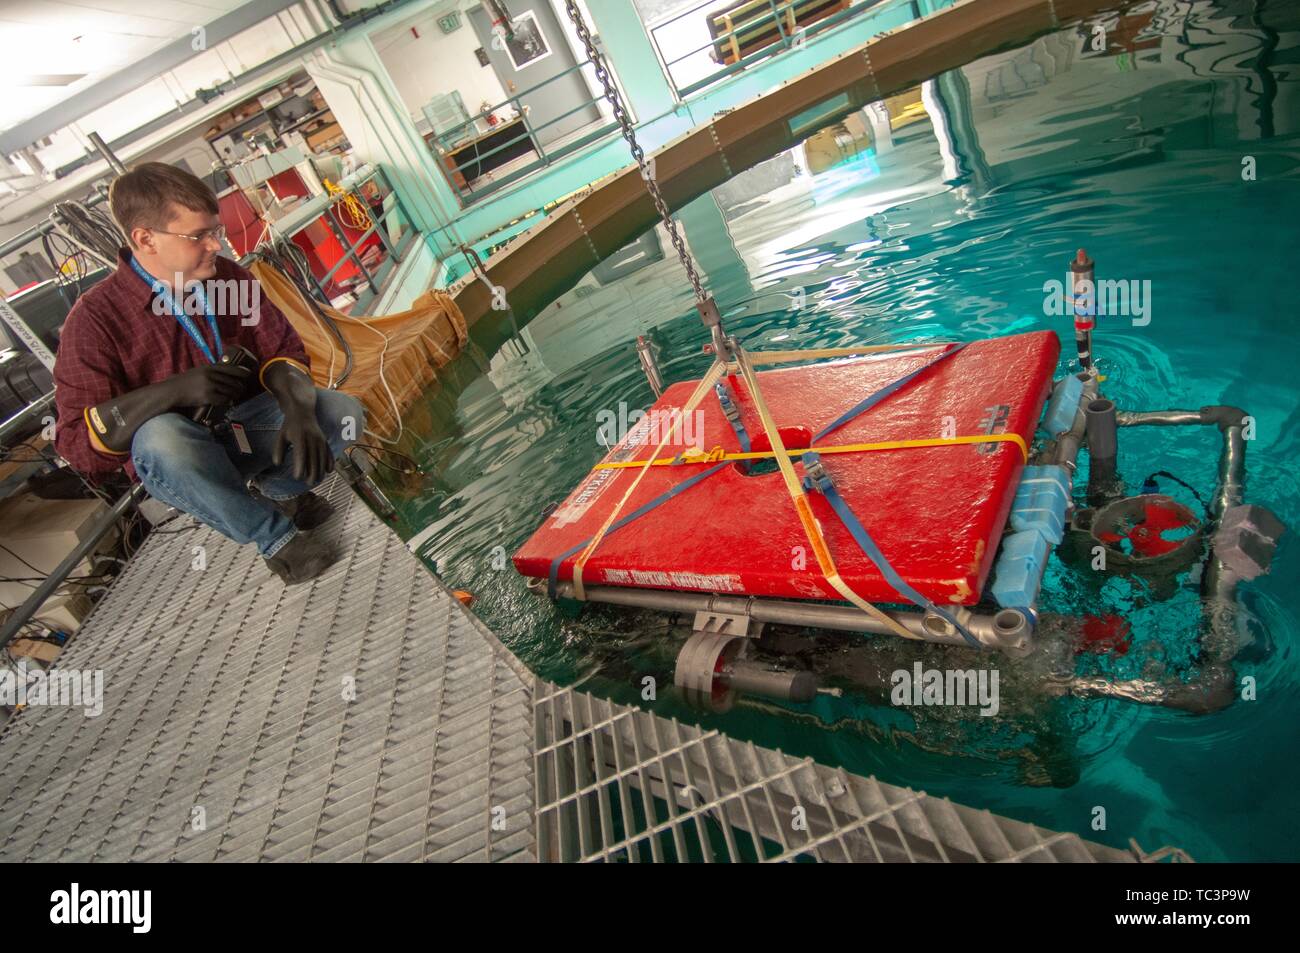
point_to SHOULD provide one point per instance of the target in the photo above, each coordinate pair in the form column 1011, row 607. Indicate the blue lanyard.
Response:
column 185, row 321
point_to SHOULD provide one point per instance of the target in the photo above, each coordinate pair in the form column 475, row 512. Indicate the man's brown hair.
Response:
column 140, row 198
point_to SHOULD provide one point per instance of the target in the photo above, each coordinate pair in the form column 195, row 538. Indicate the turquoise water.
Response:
column 1136, row 154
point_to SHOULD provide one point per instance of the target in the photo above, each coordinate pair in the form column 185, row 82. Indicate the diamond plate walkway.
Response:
column 369, row 716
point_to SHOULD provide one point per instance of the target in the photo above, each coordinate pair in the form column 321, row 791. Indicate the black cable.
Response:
column 59, row 259
column 42, row 572
column 131, row 522
column 298, row 271
column 91, row 227
column 371, row 450
column 289, row 260
column 1151, row 482
column 24, row 580
column 47, row 637
column 50, row 456
column 44, row 453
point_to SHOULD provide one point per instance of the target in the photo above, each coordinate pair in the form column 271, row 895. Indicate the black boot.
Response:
column 307, row 511
column 303, row 558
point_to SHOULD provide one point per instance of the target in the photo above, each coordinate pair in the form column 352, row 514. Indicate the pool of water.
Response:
column 1172, row 156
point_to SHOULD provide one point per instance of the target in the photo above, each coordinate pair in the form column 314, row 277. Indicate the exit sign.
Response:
column 450, row 23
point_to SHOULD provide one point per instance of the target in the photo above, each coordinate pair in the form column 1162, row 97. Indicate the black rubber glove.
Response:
column 210, row 384
column 116, row 420
column 296, row 394
column 312, row 458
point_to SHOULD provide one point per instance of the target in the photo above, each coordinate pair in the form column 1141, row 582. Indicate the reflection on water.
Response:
column 941, row 215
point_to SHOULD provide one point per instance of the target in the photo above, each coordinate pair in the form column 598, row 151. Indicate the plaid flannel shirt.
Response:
column 114, row 342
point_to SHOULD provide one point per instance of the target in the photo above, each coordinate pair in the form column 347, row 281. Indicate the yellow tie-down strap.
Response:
column 825, row 562
column 701, row 389
column 759, row 358
column 718, row 455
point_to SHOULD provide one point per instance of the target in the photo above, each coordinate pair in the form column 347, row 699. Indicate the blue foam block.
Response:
column 1019, row 570
column 1063, row 405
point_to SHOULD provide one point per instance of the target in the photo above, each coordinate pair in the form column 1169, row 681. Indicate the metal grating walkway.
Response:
column 369, row 716
column 604, row 772
column 225, row 692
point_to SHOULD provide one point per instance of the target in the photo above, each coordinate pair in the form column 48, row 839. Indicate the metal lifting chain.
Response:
column 704, row 302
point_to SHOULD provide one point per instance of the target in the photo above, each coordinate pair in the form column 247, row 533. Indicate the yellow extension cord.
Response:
column 354, row 214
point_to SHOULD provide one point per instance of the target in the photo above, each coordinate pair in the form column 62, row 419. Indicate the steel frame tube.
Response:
column 1103, row 449
column 107, row 519
column 1158, row 418
column 11, row 425
column 1067, row 444
column 1007, row 630
column 1214, row 689
column 102, row 148
column 645, row 352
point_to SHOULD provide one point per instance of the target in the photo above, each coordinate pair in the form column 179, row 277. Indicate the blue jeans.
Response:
column 187, row 466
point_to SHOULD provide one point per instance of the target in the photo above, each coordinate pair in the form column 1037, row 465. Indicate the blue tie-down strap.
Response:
column 871, row 400
column 818, row 479
column 554, row 575
column 1041, row 501
column 732, row 413
column 1019, row 570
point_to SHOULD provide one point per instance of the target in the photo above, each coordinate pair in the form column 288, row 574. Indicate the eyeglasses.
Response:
column 219, row 233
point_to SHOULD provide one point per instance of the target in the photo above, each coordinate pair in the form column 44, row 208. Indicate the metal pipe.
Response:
column 1138, row 690
column 1068, row 444
column 102, row 148
column 1231, row 486
column 1103, row 449
column 1158, row 418
column 1008, row 629
column 1211, row 691
column 1219, row 583
column 645, row 352
column 11, row 425
column 1214, row 686
column 1102, row 441
column 24, row 612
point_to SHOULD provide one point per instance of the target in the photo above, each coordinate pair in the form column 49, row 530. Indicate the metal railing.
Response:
column 372, row 279
column 471, row 175
column 744, row 33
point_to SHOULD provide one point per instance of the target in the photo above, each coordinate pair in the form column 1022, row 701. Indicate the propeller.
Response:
column 1104, row 633
column 1147, row 535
